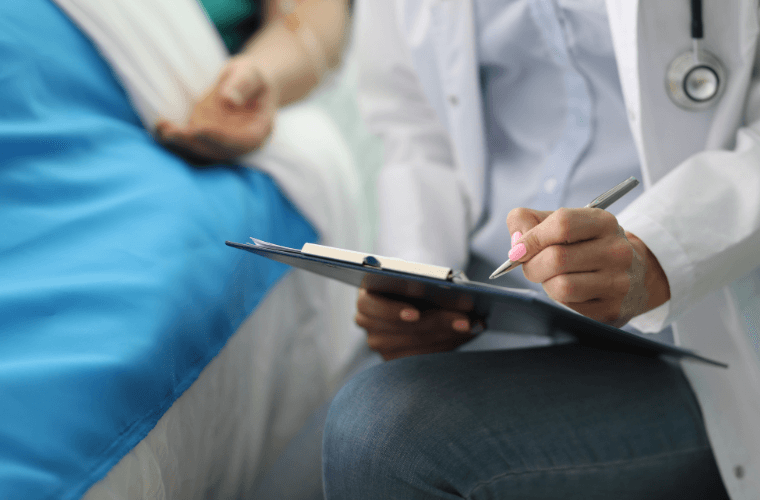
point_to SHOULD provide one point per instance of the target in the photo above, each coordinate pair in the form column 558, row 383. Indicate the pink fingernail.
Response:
column 461, row 325
column 516, row 236
column 517, row 252
column 410, row 315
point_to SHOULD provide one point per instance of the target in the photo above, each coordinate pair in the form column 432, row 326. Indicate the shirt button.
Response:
column 739, row 471
column 632, row 115
column 550, row 185
column 454, row 100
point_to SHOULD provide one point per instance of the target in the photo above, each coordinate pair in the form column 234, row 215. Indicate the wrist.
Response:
column 283, row 62
column 655, row 279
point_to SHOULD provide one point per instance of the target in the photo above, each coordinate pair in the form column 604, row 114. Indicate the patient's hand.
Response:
column 233, row 119
column 396, row 329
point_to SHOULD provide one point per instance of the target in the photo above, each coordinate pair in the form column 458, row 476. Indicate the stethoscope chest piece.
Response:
column 695, row 80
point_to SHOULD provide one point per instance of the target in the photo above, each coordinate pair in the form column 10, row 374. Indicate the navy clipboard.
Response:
column 502, row 309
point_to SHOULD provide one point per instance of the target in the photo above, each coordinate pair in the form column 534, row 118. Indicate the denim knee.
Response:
column 376, row 425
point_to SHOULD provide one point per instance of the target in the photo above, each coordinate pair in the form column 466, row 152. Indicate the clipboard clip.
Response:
column 371, row 262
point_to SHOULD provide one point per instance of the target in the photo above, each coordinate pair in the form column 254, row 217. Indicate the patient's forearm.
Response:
column 295, row 49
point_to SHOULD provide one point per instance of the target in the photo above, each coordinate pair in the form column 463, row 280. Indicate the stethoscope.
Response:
column 695, row 80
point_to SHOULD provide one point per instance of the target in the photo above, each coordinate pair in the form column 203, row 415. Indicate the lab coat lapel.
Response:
column 623, row 17
column 647, row 35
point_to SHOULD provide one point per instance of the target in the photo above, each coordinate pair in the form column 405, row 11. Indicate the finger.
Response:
column 390, row 350
column 382, row 308
column 443, row 346
column 242, row 86
column 425, row 324
column 234, row 143
column 446, row 321
column 229, row 86
column 185, row 145
column 611, row 253
column 160, row 128
column 206, row 144
column 384, row 326
column 564, row 226
column 604, row 311
column 522, row 220
column 219, row 146
column 410, row 338
column 165, row 128
column 578, row 288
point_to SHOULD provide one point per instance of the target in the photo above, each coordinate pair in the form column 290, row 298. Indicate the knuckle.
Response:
column 559, row 257
column 621, row 284
column 626, row 253
column 622, row 252
column 530, row 272
column 517, row 216
column 374, row 342
column 563, row 288
column 442, row 323
column 610, row 315
column 563, row 222
column 362, row 303
column 445, row 323
column 361, row 320
column 609, row 220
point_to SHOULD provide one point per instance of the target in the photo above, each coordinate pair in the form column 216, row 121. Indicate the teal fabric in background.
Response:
column 235, row 20
column 116, row 288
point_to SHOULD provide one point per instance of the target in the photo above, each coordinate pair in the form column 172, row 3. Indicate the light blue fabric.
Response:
column 116, row 288
column 556, row 123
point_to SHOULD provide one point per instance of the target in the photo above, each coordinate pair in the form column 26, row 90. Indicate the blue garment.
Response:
column 566, row 422
column 556, row 124
column 116, row 288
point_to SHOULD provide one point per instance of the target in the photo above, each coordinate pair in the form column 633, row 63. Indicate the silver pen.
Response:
column 602, row 201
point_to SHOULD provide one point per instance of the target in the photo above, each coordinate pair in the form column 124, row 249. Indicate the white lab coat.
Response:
column 700, row 213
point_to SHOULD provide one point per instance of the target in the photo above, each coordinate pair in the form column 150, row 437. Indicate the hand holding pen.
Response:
column 602, row 201
column 586, row 261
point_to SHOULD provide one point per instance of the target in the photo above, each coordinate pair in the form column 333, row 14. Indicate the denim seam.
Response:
column 586, row 467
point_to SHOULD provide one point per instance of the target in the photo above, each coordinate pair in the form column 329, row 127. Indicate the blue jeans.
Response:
column 560, row 422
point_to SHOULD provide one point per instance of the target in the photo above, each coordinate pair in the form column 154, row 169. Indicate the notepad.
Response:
column 360, row 258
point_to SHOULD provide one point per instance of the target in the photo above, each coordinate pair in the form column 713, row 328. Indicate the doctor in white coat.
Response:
column 694, row 231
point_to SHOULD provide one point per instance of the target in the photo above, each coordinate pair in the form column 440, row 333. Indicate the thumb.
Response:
column 242, row 85
column 522, row 220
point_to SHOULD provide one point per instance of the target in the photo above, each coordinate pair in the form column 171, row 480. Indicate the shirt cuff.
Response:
column 674, row 261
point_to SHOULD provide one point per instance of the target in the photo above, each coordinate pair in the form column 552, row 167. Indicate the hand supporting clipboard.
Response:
column 505, row 309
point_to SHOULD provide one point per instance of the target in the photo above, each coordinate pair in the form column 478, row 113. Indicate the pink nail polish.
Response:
column 517, row 252
column 461, row 325
column 409, row 315
column 516, row 236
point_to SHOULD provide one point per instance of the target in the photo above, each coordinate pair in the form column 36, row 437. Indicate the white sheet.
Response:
column 242, row 410
column 288, row 357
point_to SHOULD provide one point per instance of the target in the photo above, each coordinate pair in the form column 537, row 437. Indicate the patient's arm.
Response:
column 281, row 64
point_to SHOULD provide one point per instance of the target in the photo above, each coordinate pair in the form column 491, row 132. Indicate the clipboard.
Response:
column 426, row 286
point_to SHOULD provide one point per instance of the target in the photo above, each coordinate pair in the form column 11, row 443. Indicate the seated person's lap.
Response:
column 565, row 421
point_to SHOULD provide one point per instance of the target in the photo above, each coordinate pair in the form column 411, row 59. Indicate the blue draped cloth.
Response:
column 116, row 288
